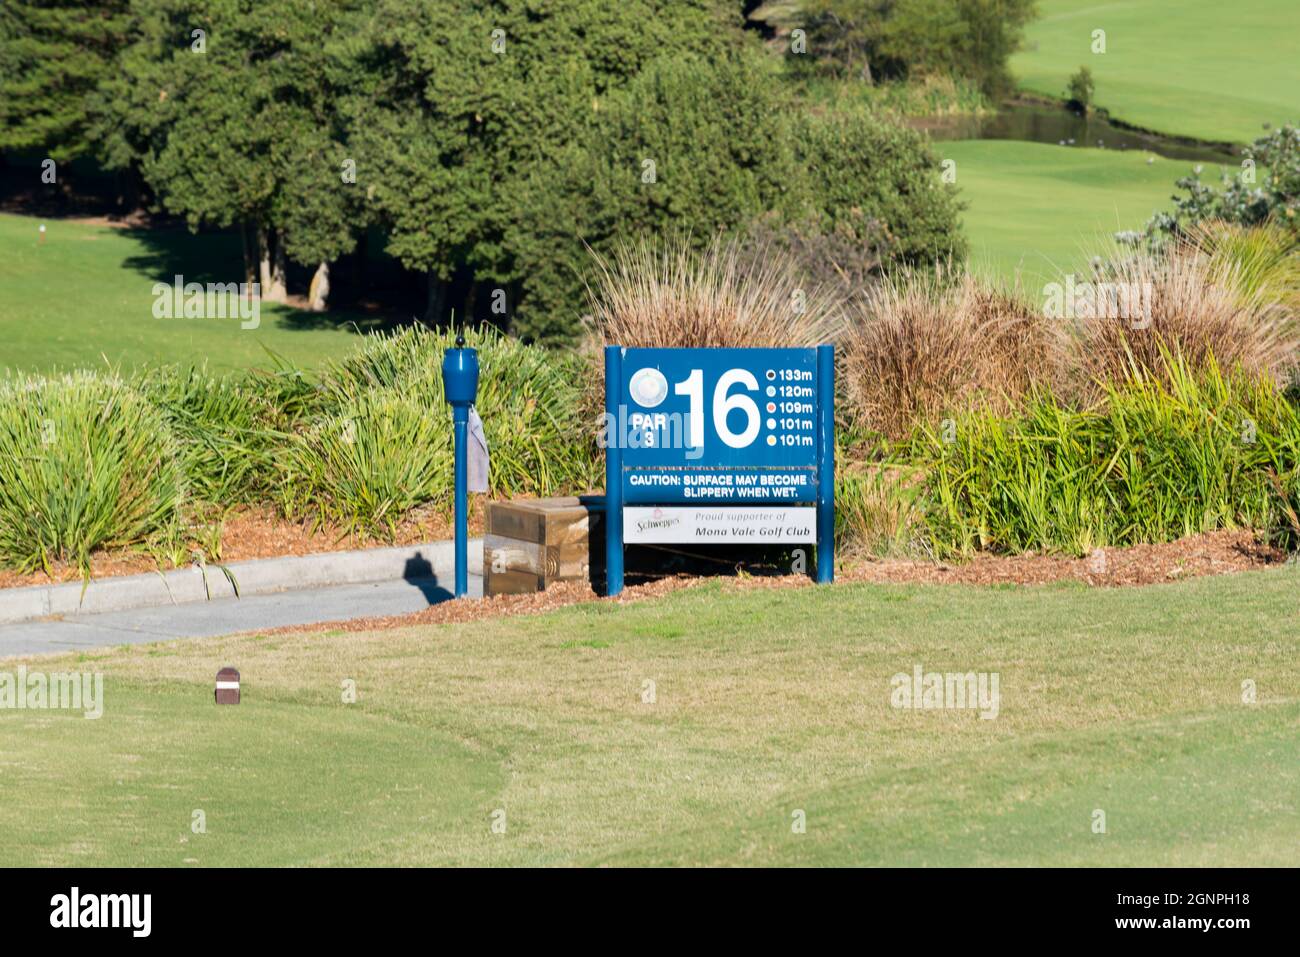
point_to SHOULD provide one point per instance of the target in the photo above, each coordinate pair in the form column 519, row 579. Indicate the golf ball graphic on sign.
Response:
column 648, row 387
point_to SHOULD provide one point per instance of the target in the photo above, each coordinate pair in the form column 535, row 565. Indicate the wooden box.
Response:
column 531, row 543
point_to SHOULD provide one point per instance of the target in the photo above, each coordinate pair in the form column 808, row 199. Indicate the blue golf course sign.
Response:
column 712, row 446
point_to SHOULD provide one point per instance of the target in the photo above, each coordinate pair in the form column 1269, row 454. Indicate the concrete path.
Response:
column 222, row 616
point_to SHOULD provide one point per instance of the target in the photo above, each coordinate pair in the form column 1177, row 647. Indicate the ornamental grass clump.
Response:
column 671, row 295
column 730, row 294
column 922, row 346
column 86, row 463
column 379, row 439
column 1195, row 306
column 1156, row 458
column 226, row 428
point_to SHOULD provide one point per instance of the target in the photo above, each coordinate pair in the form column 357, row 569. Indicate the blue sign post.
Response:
column 713, row 446
column 460, row 387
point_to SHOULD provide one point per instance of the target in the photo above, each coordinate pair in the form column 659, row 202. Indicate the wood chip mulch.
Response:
column 1213, row 553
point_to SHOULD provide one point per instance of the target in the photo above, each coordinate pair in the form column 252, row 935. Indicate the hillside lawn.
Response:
column 1199, row 68
column 1040, row 210
column 86, row 295
column 766, row 702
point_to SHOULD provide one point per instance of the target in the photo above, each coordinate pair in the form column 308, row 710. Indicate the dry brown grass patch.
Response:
column 667, row 294
column 920, row 345
column 1195, row 305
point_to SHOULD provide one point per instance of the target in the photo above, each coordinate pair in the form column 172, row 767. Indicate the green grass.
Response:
column 86, row 294
column 766, row 702
column 1199, row 68
column 1040, row 209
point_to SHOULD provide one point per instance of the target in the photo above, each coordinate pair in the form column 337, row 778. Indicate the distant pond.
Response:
column 1043, row 123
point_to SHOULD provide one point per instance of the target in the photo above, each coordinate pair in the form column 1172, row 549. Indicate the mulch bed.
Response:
column 254, row 533
column 1213, row 553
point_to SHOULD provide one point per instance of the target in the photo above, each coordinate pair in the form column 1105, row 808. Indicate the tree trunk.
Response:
column 279, row 290
column 359, row 266
column 319, row 291
column 437, row 292
column 471, row 296
column 249, row 268
column 264, row 259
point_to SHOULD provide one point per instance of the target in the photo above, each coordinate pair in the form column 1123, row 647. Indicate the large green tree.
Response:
column 693, row 144
column 230, row 107
column 880, row 182
column 493, row 141
column 53, row 56
column 896, row 39
column 468, row 129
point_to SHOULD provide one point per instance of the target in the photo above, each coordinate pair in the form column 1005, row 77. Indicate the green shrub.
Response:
column 1266, row 189
column 86, row 462
column 365, row 466
column 860, row 169
column 1155, row 460
column 876, row 510
column 380, row 441
column 225, row 429
column 692, row 145
column 726, row 152
column 1080, row 88
column 892, row 39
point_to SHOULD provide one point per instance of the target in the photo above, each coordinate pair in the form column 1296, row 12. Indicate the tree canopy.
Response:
column 492, row 142
column 53, row 56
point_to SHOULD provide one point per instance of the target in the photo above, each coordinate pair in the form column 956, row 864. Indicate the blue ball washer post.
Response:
column 460, row 387
column 613, row 473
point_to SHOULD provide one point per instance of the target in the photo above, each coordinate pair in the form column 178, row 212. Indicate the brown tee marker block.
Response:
column 227, row 686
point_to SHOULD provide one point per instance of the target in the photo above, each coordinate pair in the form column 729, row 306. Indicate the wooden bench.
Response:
column 529, row 544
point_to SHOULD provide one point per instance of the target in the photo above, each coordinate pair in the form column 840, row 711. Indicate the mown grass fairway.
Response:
column 86, row 295
column 1199, row 68
column 765, row 703
column 1041, row 210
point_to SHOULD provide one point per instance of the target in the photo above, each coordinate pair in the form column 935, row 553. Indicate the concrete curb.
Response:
column 258, row 577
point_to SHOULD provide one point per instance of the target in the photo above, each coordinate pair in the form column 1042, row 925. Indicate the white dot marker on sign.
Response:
column 649, row 387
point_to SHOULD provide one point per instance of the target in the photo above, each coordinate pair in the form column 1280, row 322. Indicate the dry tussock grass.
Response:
column 667, row 294
column 1197, row 305
column 670, row 295
column 920, row 345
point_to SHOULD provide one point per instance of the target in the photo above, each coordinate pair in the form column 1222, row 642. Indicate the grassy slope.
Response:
column 1041, row 208
column 767, row 702
column 1198, row 68
column 87, row 293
